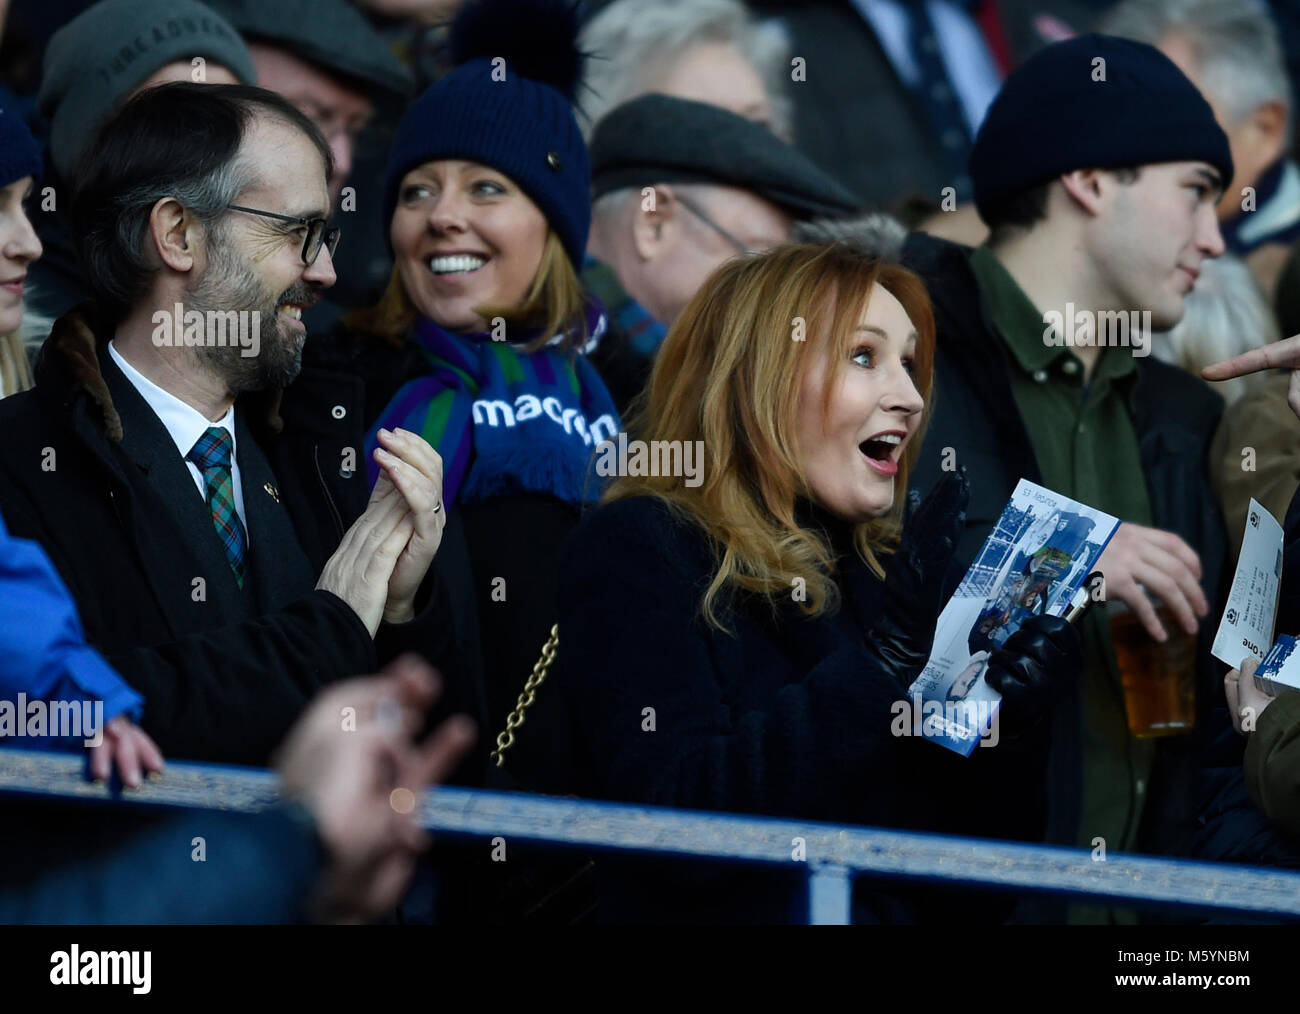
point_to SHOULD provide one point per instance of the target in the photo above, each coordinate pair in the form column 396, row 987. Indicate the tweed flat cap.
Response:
column 332, row 34
column 662, row 139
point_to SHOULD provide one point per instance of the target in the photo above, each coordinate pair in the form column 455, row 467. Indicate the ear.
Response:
column 1267, row 130
column 1088, row 188
column 656, row 220
column 174, row 233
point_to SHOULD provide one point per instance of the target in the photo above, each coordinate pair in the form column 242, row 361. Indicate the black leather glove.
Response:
column 904, row 634
column 1040, row 663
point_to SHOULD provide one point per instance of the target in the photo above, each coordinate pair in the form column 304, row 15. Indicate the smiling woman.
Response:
column 478, row 344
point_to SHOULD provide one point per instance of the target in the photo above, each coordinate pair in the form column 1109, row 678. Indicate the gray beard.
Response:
column 229, row 284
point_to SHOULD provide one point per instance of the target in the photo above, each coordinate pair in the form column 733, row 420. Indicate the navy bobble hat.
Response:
column 1091, row 102
column 19, row 155
column 508, row 105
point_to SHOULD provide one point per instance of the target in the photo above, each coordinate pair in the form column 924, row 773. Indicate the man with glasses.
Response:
column 208, row 507
column 680, row 187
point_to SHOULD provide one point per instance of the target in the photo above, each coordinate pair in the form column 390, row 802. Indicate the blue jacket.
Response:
column 45, row 653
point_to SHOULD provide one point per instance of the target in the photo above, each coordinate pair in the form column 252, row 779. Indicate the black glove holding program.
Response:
column 1040, row 663
column 914, row 577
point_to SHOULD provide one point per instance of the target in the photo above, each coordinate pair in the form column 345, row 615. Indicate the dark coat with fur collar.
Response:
column 89, row 472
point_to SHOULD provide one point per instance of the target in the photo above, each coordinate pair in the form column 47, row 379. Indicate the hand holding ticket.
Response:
column 1246, row 629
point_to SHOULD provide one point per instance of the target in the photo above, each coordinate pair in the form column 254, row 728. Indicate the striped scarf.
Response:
column 505, row 420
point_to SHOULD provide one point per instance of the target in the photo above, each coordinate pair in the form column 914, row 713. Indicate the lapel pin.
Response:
column 272, row 490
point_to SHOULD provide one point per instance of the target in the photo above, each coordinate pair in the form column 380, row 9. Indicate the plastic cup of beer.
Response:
column 1159, row 678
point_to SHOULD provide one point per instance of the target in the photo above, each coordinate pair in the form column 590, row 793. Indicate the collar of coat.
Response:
column 68, row 365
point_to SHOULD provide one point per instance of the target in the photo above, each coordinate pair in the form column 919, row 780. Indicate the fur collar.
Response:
column 72, row 350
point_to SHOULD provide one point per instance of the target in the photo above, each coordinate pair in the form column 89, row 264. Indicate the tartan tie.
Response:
column 211, row 453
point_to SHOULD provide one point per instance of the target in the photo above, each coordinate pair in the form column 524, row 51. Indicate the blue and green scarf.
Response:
column 505, row 420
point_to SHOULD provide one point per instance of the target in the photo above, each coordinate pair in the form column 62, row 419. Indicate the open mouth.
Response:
column 880, row 452
column 291, row 310
column 456, row 264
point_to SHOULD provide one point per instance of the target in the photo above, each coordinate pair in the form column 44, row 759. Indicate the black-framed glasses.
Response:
column 695, row 210
column 319, row 232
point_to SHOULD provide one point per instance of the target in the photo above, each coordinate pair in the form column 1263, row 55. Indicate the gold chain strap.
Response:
column 506, row 738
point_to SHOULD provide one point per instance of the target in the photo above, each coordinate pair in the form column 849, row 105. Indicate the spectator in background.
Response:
column 1272, row 724
column 95, row 63
column 326, row 59
column 1230, row 49
column 20, row 168
column 1110, row 209
column 1256, row 452
column 679, row 187
column 705, row 50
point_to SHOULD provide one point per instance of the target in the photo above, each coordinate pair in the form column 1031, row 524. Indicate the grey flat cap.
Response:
column 332, row 34
column 662, row 139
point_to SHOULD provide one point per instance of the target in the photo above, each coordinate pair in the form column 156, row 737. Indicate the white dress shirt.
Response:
column 185, row 424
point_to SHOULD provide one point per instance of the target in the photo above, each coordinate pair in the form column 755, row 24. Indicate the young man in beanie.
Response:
column 679, row 187
column 93, row 65
column 1097, row 170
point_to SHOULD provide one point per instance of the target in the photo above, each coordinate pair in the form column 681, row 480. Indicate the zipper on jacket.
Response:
column 329, row 497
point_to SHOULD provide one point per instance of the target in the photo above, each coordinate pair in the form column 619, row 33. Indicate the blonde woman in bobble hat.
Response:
column 479, row 343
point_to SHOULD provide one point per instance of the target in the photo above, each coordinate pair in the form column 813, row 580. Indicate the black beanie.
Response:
column 1091, row 102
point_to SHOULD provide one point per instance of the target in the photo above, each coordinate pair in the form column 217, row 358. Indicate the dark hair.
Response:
column 1029, row 207
column 178, row 140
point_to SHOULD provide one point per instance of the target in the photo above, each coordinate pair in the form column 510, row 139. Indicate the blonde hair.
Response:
column 729, row 374
column 554, row 304
column 15, row 371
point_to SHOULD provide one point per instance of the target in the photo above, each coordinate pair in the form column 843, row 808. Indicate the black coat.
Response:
column 789, row 717
column 88, row 471
column 1174, row 416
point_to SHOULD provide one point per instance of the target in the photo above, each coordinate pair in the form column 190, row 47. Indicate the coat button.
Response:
column 1040, row 376
column 338, row 411
column 1070, row 366
column 553, row 160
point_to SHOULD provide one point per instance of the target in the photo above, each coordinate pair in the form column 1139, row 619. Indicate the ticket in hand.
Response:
column 1246, row 630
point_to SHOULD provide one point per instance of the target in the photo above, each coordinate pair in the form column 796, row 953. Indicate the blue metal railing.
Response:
column 832, row 854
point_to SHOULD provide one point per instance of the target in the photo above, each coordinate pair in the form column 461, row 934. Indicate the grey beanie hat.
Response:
column 99, row 57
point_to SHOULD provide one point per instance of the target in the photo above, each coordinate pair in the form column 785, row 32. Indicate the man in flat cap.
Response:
column 680, row 187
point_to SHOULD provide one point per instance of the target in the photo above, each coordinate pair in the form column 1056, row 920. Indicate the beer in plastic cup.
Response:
column 1159, row 679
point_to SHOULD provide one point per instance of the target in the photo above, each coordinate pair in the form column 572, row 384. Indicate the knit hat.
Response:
column 99, row 57
column 507, row 105
column 19, row 155
column 1091, row 102
column 332, row 34
column 663, row 139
